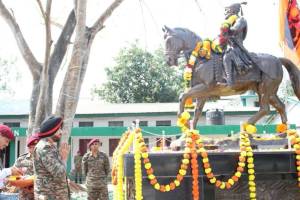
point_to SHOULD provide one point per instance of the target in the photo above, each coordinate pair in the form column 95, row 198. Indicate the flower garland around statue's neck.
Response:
column 188, row 71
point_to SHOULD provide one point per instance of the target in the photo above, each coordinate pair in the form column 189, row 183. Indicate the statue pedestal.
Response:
column 276, row 177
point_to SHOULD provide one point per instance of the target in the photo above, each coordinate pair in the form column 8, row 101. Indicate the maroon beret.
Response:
column 49, row 126
column 93, row 141
column 34, row 139
column 5, row 131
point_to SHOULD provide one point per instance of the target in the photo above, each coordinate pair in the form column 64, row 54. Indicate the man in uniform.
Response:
column 95, row 165
column 50, row 163
column 78, row 170
column 25, row 162
column 233, row 33
column 6, row 135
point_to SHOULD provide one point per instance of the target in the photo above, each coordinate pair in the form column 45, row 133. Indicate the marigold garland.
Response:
column 193, row 147
column 118, row 190
column 138, row 166
column 150, row 171
column 295, row 142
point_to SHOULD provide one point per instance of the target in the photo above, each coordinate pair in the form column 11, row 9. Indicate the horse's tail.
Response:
column 294, row 74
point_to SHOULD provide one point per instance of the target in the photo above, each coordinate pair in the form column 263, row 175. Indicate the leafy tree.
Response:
column 140, row 77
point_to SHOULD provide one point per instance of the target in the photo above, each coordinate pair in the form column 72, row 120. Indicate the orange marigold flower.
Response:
column 281, row 128
column 218, row 183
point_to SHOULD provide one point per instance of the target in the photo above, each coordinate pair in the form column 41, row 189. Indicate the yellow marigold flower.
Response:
column 222, row 186
column 208, row 170
column 147, row 165
column 230, row 181
column 297, row 146
column 251, row 171
column 238, row 174
column 251, row 177
column 205, row 160
column 252, row 195
column 213, row 180
column 157, row 186
column 185, row 161
column 248, row 149
column 167, row 188
column 177, row 183
column 244, row 153
column 182, row 172
column 249, row 154
column 251, row 129
column 186, row 115
column 151, row 176
column 251, row 183
column 250, row 165
column 252, row 188
column 145, row 155
column 241, row 164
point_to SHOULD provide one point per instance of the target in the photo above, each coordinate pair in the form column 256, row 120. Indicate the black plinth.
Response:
column 275, row 173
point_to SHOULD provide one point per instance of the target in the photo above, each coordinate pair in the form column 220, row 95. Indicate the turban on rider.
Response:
column 5, row 131
column 233, row 9
column 49, row 126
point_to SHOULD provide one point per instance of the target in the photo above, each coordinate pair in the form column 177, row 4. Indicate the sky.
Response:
column 133, row 20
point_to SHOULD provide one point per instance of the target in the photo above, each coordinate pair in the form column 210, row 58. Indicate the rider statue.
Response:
column 233, row 33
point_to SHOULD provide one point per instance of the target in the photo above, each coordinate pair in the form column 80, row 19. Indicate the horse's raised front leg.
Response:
column 198, row 111
column 198, row 91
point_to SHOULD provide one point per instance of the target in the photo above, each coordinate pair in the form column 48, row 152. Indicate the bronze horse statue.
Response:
column 264, row 78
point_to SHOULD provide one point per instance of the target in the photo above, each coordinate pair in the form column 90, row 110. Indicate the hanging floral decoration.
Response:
column 295, row 142
column 193, row 148
column 118, row 167
column 137, row 165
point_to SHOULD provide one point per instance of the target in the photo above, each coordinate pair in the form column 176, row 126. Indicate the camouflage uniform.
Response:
column 50, row 171
column 78, row 174
column 26, row 161
column 96, row 169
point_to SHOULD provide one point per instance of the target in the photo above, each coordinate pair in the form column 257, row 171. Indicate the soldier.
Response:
column 233, row 33
column 50, row 163
column 95, row 165
column 78, row 170
column 6, row 135
column 25, row 162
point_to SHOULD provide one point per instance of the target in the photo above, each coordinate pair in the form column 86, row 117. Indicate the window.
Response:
column 12, row 124
column 113, row 143
column 86, row 124
column 115, row 123
column 163, row 123
column 142, row 123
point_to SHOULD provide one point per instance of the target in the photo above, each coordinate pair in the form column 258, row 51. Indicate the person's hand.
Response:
column 64, row 151
column 16, row 171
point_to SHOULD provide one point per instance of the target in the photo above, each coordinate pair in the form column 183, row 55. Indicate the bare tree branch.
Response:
column 42, row 104
column 99, row 24
column 34, row 66
column 41, row 9
column 61, row 45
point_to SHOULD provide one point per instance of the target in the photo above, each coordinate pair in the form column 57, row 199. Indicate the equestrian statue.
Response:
column 223, row 67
